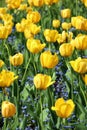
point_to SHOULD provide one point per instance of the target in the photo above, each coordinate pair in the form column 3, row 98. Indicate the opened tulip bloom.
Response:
column 7, row 78
column 8, row 109
column 34, row 45
column 79, row 65
column 63, row 108
column 42, row 81
column 17, row 59
column 48, row 60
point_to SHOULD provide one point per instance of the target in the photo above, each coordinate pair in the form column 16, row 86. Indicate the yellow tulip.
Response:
column 1, row 63
column 3, row 11
column 66, row 13
column 50, row 2
column 66, row 49
column 13, row 4
column 5, row 31
column 79, row 22
column 79, row 65
column 34, row 45
column 84, row 2
column 85, row 78
column 8, row 109
column 50, row 35
column 42, row 81
column 81, row 42
column 63, row 108
column 17, row 59
column 56, row 23
column 66, row 25
column 6, row 78
column 32, row 29
column 22, row 7
column 34, row 16
column 48, row 60
column 37, row 3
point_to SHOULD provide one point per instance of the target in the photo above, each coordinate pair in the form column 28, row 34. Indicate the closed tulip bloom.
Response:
column 63, row 108
column 7, row 78
column 79, row 22
column 5, row 31
column 17, row 59
column 56, row 23
column 50, row 35
column 84, row 2
column 42, row 81
column 8, row 109
column 66, row 25
column 50, row 2
column 34, row 45
column 48, row 60
column 79, row 65
column 66, row 49
column 1, row 63
column 80, row 42
column 84, row 77
column 13, row 4
column 37, row 3
column 34, row 16
column 66, row 13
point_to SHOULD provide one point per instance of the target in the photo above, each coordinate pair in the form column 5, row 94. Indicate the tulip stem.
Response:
column 4, row 127
column 42, row 128
column 25, row 71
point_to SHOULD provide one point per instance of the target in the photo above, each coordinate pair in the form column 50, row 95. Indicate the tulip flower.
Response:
column 37, row 3
column 79, row 65
column 66, row 25
column 56, row 23
column 80, row 42
column 79, row 22
column 17, row 59
column 34, row 45
column 8, row 109
column 13, row 4
column 42, row 81
column 6, row 78
column 63, row 108
column 48, row 60
column 84, row 2
column 34, row 16
column 50, row 35
column 66, row 13
column 66, row 49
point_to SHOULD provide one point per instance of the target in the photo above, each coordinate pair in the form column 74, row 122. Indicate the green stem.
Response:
column 25, row 71
column 4, row 127
column 41, row 105
column 82, row 91
column 76, row 6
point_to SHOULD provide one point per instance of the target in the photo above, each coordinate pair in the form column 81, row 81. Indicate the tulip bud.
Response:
column 8, row 109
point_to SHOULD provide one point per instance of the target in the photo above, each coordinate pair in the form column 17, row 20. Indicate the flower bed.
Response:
column 43, row 65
